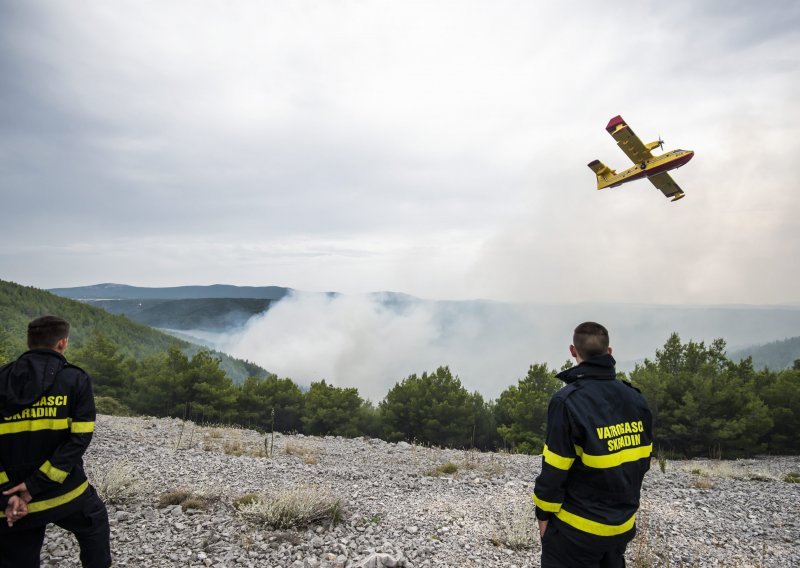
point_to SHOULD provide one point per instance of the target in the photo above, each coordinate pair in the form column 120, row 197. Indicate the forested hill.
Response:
column 776, row 355
column 125, row 292
column 20, row 304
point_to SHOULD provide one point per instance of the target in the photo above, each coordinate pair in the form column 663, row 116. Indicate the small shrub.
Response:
column 257, row 452
column 308, row 454
column 117, row 483
column 215, row 434
column 186, row 499
column 446, row 468
column 518, row 530
column 246, row 499
column 175, row 497
column 110, row 405
column 233, row 448
column 792, row 477
column 297, row 507
column 494, row 469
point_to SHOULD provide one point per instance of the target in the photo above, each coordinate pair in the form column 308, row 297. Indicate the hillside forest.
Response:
column 703, row 403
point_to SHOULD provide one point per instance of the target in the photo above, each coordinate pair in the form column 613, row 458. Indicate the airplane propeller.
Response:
column 660, row 143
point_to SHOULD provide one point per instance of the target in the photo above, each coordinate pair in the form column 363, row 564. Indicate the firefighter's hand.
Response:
column 542, row 528
column 16, row 509
column 20, row 491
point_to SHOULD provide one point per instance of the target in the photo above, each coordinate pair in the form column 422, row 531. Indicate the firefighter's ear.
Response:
column 609, row 350
column 61, row 345
column 573, row 351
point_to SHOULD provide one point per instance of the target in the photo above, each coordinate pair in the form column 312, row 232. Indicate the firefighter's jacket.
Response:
column 47, row 416
column 597, row 450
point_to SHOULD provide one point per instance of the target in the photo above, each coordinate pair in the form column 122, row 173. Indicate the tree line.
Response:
column 703, row 403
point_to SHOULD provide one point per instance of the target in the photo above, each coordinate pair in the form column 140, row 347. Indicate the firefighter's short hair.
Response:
column 590, row 339
column 46, row 331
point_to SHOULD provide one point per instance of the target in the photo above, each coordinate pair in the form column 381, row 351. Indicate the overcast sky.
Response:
column 433, row 148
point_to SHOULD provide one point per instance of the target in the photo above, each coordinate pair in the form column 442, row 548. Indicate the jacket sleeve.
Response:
column 557, row 458
column 58, row 466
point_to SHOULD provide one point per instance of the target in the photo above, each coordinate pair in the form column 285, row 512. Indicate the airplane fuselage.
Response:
column 653, row 166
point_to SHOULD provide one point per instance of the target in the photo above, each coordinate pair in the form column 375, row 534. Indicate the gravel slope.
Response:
column 696, row 513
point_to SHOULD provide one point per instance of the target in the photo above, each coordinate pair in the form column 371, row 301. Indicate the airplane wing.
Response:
column 628, row 141
column 667, row 185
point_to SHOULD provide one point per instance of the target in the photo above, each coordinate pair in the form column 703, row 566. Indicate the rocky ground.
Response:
column 398, row 509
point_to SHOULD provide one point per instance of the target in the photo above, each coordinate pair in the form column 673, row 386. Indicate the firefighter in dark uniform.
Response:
column 47, row 417
column 597, row 450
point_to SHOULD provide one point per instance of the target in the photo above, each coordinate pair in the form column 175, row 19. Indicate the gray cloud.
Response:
column 438, row 149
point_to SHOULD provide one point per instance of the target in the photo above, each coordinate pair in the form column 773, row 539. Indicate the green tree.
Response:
column 702, row 402
column 112, row 373
column 159, row 388
column 781, row 394
column 209, row 392
column 332, row 411
column 521, row 410
column 433, row 408
column 5, row 346
column 257, row 398
column 484, row 427
column 369, row 420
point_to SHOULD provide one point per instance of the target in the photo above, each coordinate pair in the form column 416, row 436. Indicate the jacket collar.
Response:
column 599, row 367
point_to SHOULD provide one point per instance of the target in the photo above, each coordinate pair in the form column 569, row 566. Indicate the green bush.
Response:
column 110, row 405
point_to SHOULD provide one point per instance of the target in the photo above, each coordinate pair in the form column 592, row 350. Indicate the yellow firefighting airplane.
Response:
column 652, row 167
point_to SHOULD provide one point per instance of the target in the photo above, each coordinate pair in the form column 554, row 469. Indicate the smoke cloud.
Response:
column 372, row 342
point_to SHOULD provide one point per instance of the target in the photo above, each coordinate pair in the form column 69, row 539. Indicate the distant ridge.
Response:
column 777, row 355
column 109, row 291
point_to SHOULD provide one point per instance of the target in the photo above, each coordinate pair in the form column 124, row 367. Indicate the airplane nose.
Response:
column 689, row 155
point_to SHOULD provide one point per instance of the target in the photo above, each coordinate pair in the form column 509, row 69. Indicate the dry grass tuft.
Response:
column 246, row 499
column 117, row 483
column 186, row 499
column 517, row 530
column 731, row 470
column 174, row 497
column 233, row 447
column 309, row 454
column 297, row 507
column 447, row 468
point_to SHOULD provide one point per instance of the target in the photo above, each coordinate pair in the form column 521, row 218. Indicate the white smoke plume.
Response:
column 372, row 342
column 369, row 343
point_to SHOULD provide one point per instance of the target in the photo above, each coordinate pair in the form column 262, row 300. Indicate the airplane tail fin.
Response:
column 602, row 171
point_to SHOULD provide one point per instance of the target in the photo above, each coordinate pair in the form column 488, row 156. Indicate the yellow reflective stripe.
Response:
column 39, row 506
column 82, row 427
column 3, row 477
column 34, row 425
column 546, row 505
column 593, row 527
column 615, row 459
column 556, row 460
column 52, row 472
